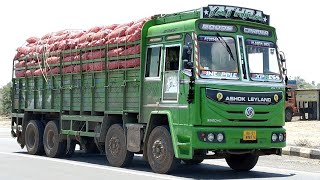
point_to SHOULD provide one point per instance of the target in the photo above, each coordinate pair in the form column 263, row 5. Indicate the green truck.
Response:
column 209, row 84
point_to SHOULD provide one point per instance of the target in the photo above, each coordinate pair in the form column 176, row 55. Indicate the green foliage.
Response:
column 303, row 84
column 5, row 99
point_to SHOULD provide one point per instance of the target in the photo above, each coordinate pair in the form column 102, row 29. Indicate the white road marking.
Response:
column 127, row 171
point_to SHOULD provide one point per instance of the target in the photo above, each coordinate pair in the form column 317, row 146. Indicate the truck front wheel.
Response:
column 242, row 162
column 116, row 148
column 160, row 151
column 288, row 115
column 33, row 137
column 52, row 144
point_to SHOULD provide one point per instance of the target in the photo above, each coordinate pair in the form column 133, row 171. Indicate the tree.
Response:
column 303, row 84
column 5, row 99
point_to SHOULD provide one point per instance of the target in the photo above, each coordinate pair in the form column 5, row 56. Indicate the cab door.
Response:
column 170, row 86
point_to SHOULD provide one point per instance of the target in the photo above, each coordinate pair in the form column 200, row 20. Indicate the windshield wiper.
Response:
column 225, row 45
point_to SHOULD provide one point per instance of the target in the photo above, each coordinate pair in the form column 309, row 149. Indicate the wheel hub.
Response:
column 114, row 146
column 51, row 139
column 31, row 139
column 158, row 150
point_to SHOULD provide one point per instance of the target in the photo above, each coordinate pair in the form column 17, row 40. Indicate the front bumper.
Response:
column 188, row 140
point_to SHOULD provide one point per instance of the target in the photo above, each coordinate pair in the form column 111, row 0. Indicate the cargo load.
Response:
column 42, row 55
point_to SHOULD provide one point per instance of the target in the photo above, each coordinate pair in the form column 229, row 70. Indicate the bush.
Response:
column 5, row 99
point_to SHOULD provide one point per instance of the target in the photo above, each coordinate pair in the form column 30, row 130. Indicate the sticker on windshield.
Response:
column 213, row 74
column 265, row 77
column 259, row 43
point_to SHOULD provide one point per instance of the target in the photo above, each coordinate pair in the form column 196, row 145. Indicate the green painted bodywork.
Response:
column 123, row 91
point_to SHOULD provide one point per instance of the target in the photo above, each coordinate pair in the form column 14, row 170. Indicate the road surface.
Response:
column 15, row 163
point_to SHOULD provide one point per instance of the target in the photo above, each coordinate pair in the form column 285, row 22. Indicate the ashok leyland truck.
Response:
column 202, row 84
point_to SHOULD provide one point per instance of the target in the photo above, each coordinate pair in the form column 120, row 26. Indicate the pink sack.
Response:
column 117, row 32
column 31, row 40
column 131, row 50
column 134, row 27
column 53, row 60
column 23, row 50
column 124, row 25
column 130, row 63
column 20, row 73
column 96, row 54
column 30, row 72
column 95, row 29
column 114, row 65
column 38, row 72
column 68, row 69
column 114, row 52
column 111, row 27
column 55, row 70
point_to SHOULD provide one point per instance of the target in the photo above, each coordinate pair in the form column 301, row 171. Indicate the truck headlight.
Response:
column 210, row 137
column 274, row 137
column 220, row 137
column 281, row 137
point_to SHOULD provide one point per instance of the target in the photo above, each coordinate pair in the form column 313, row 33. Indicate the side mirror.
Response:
column 187, row 64
column 186, row 57
column 284, row 70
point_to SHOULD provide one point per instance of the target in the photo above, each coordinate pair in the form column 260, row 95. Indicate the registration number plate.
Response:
column 249, row 135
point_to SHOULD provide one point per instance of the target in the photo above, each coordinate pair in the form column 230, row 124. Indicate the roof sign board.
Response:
column 233, row 12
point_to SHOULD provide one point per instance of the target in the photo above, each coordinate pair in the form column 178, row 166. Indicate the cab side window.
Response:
column 153, row 62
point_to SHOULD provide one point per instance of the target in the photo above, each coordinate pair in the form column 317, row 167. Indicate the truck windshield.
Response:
column 263, row 61
column 215, row 60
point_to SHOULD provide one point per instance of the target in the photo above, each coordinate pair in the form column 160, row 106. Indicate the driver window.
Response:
column 172, row 58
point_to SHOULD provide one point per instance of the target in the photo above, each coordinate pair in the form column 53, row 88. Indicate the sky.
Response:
column 296, row 23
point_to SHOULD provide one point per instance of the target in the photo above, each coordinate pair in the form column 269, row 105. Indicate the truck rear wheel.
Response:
column 160, row 151
column 288, row 115
column 53, row 147
column 116, row 147
column 34, row 137
column 242, row 162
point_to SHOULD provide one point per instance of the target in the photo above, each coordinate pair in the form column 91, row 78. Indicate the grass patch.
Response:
column 303, row 142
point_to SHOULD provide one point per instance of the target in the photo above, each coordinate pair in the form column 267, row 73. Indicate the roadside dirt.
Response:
column 5, row 121
column 299, row 133
column 304, row 133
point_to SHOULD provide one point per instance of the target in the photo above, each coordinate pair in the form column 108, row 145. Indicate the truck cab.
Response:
column 216, row 76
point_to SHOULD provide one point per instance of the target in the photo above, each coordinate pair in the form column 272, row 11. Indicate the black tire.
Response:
column 160, row 151
column 192, row 161
column 288, row 115
column 242, row 162
column 69, row 152
column 116, row 147
column 34, row 137
column 53, row 147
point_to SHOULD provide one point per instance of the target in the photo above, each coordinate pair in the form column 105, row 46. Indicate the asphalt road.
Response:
column 15, row 163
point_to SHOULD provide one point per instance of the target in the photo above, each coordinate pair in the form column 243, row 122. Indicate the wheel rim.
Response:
column 31, row 139
column 51, row 139
column 114, row 146
column 158, row 150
